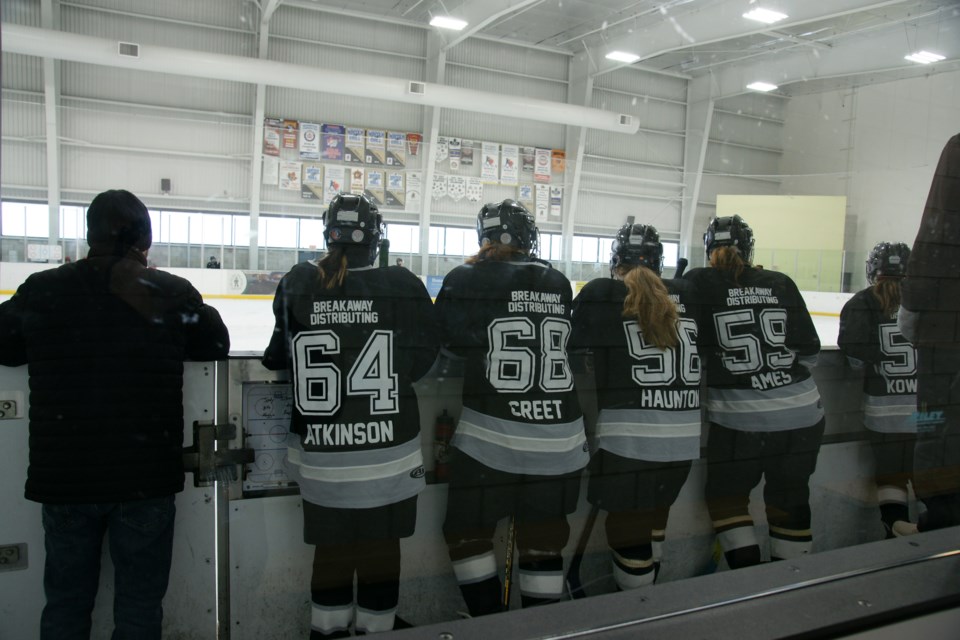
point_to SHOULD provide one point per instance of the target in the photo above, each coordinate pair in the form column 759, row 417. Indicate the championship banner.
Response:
column 332, row 142
column 556, row 202
column 290, row 176
column 558, row 161
column 527, row 160
column 376, row 147
column 396, row 192
column 271, row 136
column 333, row 181
column 442, row 149
column 311, row 185
column 543, row 202
column 396, row 155
column 413, row 144
column 439, row 187
column 541, row 170
column 357, row 179
column 509, row 164
column 289, row 136
column 309, row 141
column 375, row 190
column 271, row 171
column 456, row 188
column 474, row 189
column 453, row 149
column 414, row 190
column 466, row 153
column 525, row 195
column 489, row 170
column 354, row 145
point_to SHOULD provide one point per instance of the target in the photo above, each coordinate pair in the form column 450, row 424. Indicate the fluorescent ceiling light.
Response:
column 765, row 16
column 446, row 22
column 924, row 57
column 761, row 86
column 623, row 56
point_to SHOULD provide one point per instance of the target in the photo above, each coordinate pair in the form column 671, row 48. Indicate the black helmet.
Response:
column 730, row 231
column 352, row 220
column 637, row 244
column 887, row 259
column 508, row 222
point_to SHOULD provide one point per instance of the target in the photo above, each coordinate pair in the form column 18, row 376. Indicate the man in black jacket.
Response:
column 104, row 339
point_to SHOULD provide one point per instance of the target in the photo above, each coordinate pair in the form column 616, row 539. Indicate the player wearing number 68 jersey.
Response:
column 766, row 419
column 519, row 445
column 354, row 338
column 872, row 341
column 640, row 334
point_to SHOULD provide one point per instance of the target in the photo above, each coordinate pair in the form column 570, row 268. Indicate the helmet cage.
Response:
column 887, row 259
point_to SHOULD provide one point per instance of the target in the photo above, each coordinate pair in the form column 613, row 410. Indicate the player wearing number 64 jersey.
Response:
column 766, row 419
column 519, row 444
column 355, row 338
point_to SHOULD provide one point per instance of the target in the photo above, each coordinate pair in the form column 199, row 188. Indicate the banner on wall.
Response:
column 466, row 153
column 289, row 136
column 454, row 147
column 395, row 194
column 311, row 184
column 375, row 189
column 271, row 136
column 556, row 202
column 271, row 171
column 474, row 189
column 333, row 181
column 396, row 153
column 332, row 142
column 456, row 188
column 290, row 175
column 376, row 147
column 558, row 161
column 414, row 189
column 358, row 180
column 439, row 187
column 490, row 163
column 527, row 160
column 309, row 141
column 442, row 149
column 413, row 144
column 525, row 196
column 509, row 164
column 543, row 202
column 541, row 170
column 354, row 145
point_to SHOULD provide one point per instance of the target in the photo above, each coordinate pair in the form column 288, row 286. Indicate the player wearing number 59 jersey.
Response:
column 766, row 419
column 641, row 335
column 355, row 338
column 519, row 445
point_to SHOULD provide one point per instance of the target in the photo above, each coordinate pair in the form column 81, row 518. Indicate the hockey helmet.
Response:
column 637, row 244
column 352, row 220
column 508, row 222
column 729, row 231
column 887, row 259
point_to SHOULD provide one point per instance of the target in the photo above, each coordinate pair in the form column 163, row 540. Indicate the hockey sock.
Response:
column 789, row 543
column 475, row 567
column 657, row 537
column 541, row 578
column 633, row 567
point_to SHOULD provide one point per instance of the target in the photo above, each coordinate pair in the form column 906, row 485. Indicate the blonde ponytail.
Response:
column 332, row 268
column 728, row 259
column 887, row 292
column 649, row 303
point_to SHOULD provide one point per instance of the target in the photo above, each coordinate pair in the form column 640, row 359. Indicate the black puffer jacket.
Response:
column 105, row 339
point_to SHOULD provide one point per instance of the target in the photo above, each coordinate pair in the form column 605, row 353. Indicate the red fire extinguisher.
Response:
column 441, row 444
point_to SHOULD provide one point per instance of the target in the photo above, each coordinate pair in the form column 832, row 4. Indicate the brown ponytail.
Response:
column 728, row 258
column 496, row 252
column 650, row 304
column 332, row 268
column 887, row 292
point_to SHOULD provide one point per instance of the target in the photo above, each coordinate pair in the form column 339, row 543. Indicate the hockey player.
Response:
column 642, row 336
column 766, row 419
column 519, row 445
column 871, row 340
column 355, row 338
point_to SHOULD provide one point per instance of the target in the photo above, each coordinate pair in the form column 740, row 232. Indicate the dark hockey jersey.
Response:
column 872, row 340
column 759, row 343
column 354, row 352
column 649, row 399
column 510, row 322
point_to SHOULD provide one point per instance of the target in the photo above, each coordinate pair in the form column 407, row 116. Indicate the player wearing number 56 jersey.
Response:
column 872, row 341
column 766, row 419
column 641, row 335
column 355, row 338
column 519, row 445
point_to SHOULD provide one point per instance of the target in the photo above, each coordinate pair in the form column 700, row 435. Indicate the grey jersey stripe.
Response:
column 890, row 414
column 789, row 407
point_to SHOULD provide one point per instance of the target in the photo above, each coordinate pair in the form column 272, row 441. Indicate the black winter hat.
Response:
column 116, row 221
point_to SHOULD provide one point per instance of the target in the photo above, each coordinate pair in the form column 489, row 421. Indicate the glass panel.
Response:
column 38, row 220
column 311, row 234
column 14, row 222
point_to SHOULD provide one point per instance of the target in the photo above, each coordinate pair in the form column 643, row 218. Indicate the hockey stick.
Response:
column 681, row 267
column 508, row 563
column 574, row 584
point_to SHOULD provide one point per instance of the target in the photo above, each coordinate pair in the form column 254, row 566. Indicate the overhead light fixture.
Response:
column 623, row 56
column 924, row 57
column 446, row 22
column 761, row 86
column 765, row 16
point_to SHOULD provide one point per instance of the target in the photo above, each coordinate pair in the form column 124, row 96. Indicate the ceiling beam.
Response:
column 479, row 14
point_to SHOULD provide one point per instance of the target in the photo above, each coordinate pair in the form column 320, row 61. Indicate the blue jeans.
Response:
column 141, row 546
